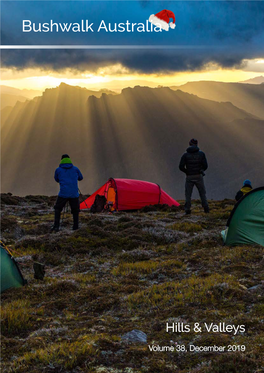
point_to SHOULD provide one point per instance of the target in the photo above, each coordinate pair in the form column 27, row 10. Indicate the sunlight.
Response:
column 116, row 77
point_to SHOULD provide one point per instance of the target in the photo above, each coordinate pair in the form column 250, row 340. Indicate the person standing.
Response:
column 193, row 163
column 246, row 188
column 67, row 175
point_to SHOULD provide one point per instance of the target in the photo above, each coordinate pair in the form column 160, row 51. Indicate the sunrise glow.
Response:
column 116, row 77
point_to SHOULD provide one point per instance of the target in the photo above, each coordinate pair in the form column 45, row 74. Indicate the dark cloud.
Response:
column 224, row 32
column 142, row 61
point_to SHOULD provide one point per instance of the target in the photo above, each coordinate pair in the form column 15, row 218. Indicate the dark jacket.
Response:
column 243, row 191
column 68, row 176
column 193, row 162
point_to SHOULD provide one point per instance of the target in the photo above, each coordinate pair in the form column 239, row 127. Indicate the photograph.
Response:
column 132, row 186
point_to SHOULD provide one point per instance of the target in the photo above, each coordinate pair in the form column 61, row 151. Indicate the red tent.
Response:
column 129, row 194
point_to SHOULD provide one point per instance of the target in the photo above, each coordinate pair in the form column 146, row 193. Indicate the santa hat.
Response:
column 162, row 19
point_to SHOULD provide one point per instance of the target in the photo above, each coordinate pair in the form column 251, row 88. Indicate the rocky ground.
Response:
column 123, row 272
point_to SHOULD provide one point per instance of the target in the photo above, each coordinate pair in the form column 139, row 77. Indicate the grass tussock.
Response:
column 16, row 317
column 187, row 227
column 66, row 355
column 128, row 271
column 194, row 290
column 145, row 267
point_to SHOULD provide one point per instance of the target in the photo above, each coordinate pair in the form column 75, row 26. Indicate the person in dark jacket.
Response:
column 193, row 163
column 247, row 187
column 67, row 175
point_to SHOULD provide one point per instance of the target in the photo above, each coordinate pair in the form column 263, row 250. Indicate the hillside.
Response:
column 9, row 96
column 118, row 85
column 69, row 93
column 10, row 100
column 5, row 114
column 123, row 272
column 140, row 133
column 28, row 93
column 256, row 80
column 248, row 97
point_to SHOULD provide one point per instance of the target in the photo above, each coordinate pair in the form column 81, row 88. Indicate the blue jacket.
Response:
column 68, row 176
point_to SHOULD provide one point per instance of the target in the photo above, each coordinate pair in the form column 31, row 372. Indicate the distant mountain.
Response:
column 10, row 100
column 249, row 97
column 81, row 92
column 9, row 95
column 118, row 85
column 28, row 93
column 5, row 114
column 140, row 133
column 256, row 80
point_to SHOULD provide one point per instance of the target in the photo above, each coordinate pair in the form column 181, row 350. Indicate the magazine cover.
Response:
column 132, row 186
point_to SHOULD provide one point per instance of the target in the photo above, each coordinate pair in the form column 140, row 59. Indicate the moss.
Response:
column 61, row 287
column 194, row 290
column 145, row 267
column 95, row 222
column 8, row 223
column 131, row 271
column 240, row 254
column 187, row 227
column 129, row 224
column 125, row 219
column 66, row 355
column 140, row 254
column 258, row 309
column 85, row 278
column 232, row 363
column 48, row 258
column 16, row 317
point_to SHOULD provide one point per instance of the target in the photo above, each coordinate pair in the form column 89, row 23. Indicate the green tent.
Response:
column 246, row 222
column 11, row 277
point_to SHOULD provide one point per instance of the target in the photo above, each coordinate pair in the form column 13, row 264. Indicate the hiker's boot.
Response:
column 188, row 212
column 56, row 226
column 75, row 221
column 206, row 210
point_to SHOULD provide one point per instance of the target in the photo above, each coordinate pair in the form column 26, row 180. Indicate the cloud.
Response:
column 255, row 65
column 138, row 61
column 227, row 33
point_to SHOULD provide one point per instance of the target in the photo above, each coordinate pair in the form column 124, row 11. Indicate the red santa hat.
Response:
column 162, row 19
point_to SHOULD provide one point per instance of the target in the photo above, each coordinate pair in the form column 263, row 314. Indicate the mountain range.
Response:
column 10, row 100
column 249, row 97
column 27, row 93
column 140, row 133
column 9, row 96
column 256, row 80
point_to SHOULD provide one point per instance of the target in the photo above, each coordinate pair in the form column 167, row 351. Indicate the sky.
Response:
column 213, row 40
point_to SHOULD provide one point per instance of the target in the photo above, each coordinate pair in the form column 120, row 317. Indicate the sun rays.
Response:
column 117, row 77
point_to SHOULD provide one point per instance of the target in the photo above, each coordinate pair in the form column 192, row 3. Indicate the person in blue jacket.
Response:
column 67, row 175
